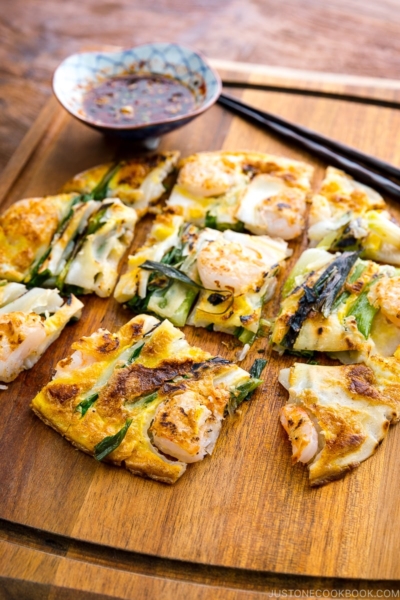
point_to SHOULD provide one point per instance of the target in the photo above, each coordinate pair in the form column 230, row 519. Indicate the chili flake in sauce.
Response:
column 138, row 100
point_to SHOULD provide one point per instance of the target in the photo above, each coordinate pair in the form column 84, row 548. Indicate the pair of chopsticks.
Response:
column 364, row 167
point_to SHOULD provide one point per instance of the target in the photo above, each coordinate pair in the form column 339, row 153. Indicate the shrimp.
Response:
column 21, row 336
column 272, row 207
column 228, row 265
column 208, row 175
column 301, row 431
column 385, row 294
column 185, row 428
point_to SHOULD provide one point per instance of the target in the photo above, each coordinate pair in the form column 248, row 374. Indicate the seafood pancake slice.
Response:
column 26, row 231
column 202, row 276
column 28, row 325
column 339, row 304
column 138, row 182
column 336, row 417
column 235, row 190
column 142, row 398
column 348, row 215
column 93, row 264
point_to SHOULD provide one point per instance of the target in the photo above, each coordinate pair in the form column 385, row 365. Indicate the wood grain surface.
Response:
column 356, row 37
column 245, row 519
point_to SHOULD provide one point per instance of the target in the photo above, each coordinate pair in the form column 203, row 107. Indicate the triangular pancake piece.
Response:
column 336, row 417
column 143, row 398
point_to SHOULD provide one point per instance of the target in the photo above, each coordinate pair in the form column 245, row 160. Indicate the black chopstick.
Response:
column 383, row 167
column 329, row 150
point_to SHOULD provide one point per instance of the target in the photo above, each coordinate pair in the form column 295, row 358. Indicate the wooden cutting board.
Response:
column 243, row 522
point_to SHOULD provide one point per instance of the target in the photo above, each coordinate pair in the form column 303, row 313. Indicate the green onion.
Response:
column 301, row 353
column 72, row 289
column 95, row 221
column 138, row 304
column 179, row 318
column 258, row 367
column 321, row 296
column 84, row 406
column 364, row 313
column 173, row 257
column 144, row 399
column 38, row 279
column 111, row 442
column 359, row 269
column 169, row 272
column 149, row 398
column 211, row 221
column 135, row 354
column 339, row 300
column 245, row 335
column 100, row 191
column 241, row 393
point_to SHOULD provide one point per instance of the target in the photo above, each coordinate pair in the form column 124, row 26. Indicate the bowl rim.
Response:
column 124, row 127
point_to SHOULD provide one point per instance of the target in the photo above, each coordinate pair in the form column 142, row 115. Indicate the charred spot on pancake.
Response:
column 246, row 318
column 164, row 422
column 172, row 388
column 360, row 380
column 62, row 392
column 345, row 441
column 216, row 299
column 136, row 329
column 350, row 344
column 134, row 381
column 64, row 362
column 212, row 363
column 249, row 170
column 201, row 370
column 356, row 287
column 109, row 343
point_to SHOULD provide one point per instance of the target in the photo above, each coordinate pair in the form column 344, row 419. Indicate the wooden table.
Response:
column 43, row 565
column 357, row 37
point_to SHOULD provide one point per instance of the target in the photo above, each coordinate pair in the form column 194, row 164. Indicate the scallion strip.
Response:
column 84, row 406
column 258, row 367
column 242, row 392
column 364, row 313
column 100, row 191
column 111, row 442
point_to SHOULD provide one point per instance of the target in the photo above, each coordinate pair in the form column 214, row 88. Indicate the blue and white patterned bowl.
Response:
column 77, row 73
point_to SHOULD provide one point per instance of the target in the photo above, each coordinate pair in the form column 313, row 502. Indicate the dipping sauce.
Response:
column 138, row 100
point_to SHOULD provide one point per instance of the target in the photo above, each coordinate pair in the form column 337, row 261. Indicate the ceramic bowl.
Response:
column 79, row 72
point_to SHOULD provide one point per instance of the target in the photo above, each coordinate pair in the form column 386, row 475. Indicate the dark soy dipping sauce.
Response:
column 138, row 100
